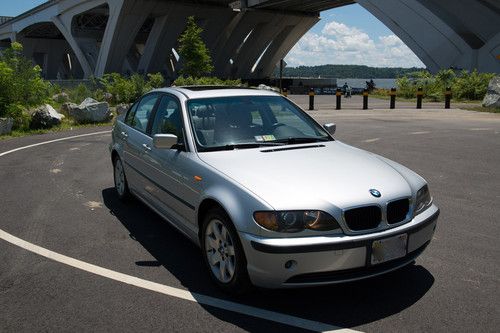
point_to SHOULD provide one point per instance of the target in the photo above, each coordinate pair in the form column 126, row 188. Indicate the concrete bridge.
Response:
column 247, row 38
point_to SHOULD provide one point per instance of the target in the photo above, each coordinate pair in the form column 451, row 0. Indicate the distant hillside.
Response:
column 347, row 71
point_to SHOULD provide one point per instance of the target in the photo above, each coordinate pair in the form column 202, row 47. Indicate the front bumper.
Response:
column 330, row 259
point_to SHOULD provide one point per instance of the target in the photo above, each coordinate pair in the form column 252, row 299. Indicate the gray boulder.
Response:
column 45, row 117
column 89, row 111
column 492, row 97
column 6, row 125
column 122, row 108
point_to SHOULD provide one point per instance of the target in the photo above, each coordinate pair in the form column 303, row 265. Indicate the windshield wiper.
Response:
column 246, row 145
column 292, row 140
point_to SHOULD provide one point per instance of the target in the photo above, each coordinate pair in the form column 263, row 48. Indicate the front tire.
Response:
column 223, row 253
column 121, row 184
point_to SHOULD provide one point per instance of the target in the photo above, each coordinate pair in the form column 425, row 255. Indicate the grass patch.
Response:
column 66, row 125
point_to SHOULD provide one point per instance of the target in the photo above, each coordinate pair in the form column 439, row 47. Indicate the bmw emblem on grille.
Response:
column 375, row 193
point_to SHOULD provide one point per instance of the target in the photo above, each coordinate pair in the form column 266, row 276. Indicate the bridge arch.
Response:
column 44, row 43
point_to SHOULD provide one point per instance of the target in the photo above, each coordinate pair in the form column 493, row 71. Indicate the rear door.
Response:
column 138, row 143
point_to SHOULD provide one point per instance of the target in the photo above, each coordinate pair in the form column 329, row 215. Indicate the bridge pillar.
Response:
column 440, row 33
column 222, row 53
column 283, row 43
column 65, row 28
column 151, row 46
column 259, row 43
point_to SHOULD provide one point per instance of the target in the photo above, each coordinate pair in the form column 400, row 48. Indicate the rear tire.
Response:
column 121, row 184
column 223, row 254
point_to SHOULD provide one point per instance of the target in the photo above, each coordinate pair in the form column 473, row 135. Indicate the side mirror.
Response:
column 164, row 141
column 330, row 128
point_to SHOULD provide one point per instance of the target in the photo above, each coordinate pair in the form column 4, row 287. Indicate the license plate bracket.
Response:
column 388, row 249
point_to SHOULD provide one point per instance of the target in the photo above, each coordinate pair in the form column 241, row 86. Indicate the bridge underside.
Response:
column 76, row 39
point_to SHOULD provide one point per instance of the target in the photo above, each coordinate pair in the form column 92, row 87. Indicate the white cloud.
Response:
column 341, row 44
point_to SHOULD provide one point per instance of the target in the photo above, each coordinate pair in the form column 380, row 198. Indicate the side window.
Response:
column 168, row 118
column 139, row 119
column 131, row 114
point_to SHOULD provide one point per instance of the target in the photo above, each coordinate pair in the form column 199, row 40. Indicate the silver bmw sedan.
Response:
column 269, row 195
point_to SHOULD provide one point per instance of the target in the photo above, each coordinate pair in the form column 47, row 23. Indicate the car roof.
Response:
column 192, row 92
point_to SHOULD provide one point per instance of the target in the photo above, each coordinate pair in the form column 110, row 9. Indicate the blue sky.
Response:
column 346, row 35
column 16, row 7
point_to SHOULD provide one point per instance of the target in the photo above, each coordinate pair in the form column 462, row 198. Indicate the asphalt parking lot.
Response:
column 60, row 196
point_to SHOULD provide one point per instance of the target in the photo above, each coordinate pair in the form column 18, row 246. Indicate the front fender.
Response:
column 238, row 202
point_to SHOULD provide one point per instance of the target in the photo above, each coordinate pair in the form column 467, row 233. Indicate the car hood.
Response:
column 312, row 176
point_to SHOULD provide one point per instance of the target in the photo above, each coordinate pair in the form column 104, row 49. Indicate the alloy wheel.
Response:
column 219, row 249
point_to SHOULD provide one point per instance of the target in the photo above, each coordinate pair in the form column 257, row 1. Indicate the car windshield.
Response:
column 226, row 123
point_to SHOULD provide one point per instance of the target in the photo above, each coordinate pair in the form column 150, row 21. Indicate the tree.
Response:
column 193, row 52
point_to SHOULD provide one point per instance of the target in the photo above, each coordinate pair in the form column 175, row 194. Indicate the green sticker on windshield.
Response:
column 260, row 138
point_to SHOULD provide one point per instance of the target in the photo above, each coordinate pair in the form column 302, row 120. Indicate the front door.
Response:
column 172, row 169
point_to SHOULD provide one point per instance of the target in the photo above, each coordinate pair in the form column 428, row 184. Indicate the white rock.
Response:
column 45, row 117
column 88, row 101
column 492, row 97
column 54, row 113
column 89, row 111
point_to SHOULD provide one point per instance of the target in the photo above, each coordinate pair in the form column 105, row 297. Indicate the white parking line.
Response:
column 372, row 140
column 160, row 288
column 52, row 141
column 480, row 129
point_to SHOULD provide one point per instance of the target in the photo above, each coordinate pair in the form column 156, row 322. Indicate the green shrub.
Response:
column 122, row 89
column 465, row 85
column 156, row 80
column 21, row 84
column 78, row 94
column 471, row 86
column 20, row 115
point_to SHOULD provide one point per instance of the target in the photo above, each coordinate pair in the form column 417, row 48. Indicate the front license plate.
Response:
column 388, row 249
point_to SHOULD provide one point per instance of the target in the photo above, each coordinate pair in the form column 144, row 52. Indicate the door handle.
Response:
column 146, row 147
column 124, row 134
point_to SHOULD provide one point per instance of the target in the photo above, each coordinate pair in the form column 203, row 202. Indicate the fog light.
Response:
column 290, row 264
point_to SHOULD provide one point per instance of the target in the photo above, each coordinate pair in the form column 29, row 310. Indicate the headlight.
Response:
column 296, row 221
column 424, row 199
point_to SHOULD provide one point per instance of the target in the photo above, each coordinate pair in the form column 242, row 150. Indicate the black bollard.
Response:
column 420, row 94
column 338, row 95
column 285, row 92
column 393, row 98
column 365, row 99
column 447, row 98
column 311, row 99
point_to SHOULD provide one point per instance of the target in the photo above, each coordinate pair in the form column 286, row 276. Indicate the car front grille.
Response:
column 363, row 218
column 397, row 211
